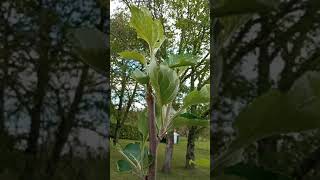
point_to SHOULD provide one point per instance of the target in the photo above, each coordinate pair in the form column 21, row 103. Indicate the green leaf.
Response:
column 143, row 125
column 197, row 97
column 189, row 119
column 140, row 77
column 235, row 7
column 159, row 116
column 276, row 112
column 181, row 60
column 124, row 166
column 148, row 29
column 133, row 55
column 252, row 172
column 165, row 82
column 90, row 45
column 133, row 151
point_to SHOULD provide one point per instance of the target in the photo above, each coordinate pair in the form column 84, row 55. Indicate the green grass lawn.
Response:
column 178, row 170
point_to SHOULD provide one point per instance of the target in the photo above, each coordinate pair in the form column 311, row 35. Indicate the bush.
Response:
column 126, row 132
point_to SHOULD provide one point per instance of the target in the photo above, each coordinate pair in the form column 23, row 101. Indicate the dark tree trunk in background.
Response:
column 116, row 132
column 153, row 141
column 267, row 145
column 40, row 92
column 166, row 168
column 66, row 125
column 310, row 162
column 190, row 155
column 120, row 105
column 3, row 83
column 123, row 118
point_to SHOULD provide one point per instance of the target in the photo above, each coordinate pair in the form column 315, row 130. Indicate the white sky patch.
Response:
column 114, row 5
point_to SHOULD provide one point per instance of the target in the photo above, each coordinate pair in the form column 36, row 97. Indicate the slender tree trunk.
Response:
column 166, row 168
column 3, row 85
column 190, row 155
column 2, row 111
column 153, row 141
column 116, row 132
column 65, row 127
column 39, row 95
column 120, row 105
column 265, row 145
column 121, row 122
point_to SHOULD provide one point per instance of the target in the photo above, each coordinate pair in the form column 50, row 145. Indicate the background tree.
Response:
column 271, row 48
column 48, row 93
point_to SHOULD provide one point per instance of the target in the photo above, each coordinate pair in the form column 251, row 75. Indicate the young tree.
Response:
column 161, row 83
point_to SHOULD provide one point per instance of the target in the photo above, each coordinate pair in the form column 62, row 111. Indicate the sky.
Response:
column 115, row 4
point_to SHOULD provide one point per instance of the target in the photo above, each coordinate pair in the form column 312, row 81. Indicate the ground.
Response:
column 178, row 171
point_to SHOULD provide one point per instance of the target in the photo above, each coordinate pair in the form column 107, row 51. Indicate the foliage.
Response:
column 127, row 132
column 178, row 173
column 90, row 45
column 292, row 107
column 275, row 113
column 164, row 81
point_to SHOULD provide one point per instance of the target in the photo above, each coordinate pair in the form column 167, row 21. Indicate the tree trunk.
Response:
column 153, row 142
column 310, row 162
column 40, row 92
column 192, row 131
column 65, row 126
column 116, row 132
column 166, row 168
column 3, row 85
column 190, row 155
column 121, row 122
column 269, row 144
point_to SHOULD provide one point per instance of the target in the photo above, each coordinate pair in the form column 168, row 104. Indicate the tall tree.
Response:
column 256, row 43
column 42, row 76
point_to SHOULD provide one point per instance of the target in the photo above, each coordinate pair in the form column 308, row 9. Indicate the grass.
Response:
column 178, row 170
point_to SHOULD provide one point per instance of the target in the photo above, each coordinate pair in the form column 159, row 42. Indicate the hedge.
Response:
column 126, row 132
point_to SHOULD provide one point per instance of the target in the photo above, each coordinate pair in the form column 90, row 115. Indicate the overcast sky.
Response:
column 114, row 5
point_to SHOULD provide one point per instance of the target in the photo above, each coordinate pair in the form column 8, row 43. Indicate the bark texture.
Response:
column 190, row 155
column 153, row 141
column 166, row 168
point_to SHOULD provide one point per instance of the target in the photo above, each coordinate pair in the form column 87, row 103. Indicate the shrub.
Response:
column 126, row 132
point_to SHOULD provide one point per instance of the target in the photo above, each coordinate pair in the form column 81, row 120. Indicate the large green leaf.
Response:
column 90, row 44
column 189, row 119
column 143, row 125
column 124, row 166
column 236, row 7
column 165, row 82
column 276, row 112
column 133, row 151
column 136, row 157
column 133, row 55
column 197, row 97
column 140, row 77
column 252, row 172
column 179, row 60
column 148, row 29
